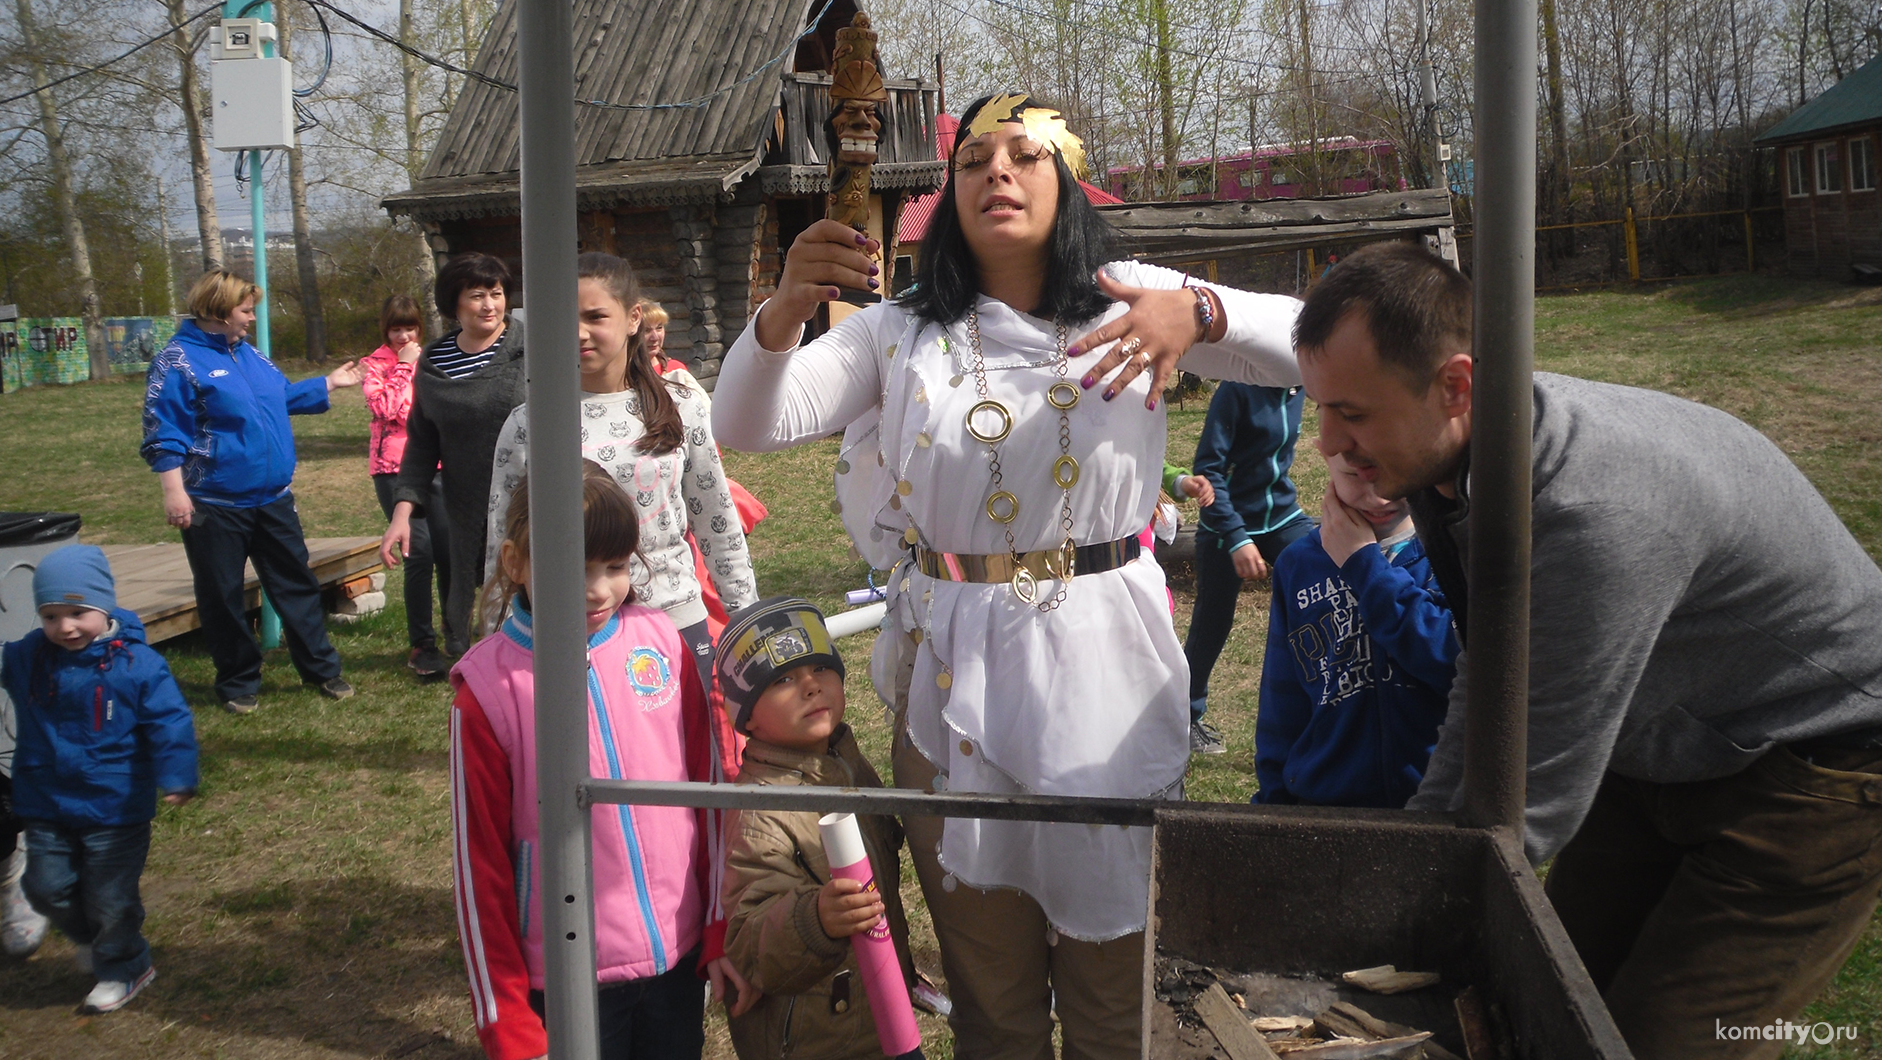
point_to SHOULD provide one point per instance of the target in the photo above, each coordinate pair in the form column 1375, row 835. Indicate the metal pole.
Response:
column 258, row 222
column 1497, row 738
column 547, row 114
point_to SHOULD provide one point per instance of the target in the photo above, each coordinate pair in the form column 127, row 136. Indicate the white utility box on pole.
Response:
column 254, row 92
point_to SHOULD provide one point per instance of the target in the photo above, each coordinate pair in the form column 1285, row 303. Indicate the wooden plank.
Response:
column 1387, row 979
column 1473, row 1022
column 1163, row 246
column 1378, row 205
column 155, row 583
column 1225, row 1020
column 1407, row 1048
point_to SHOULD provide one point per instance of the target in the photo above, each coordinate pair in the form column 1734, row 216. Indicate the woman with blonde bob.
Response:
column 1003, row 446
column 216, row 433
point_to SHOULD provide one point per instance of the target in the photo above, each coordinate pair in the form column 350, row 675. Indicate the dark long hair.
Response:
column 1082, row 242
column 661, row 416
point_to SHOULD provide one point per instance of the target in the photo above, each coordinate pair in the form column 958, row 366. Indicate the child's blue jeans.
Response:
column 84, row 879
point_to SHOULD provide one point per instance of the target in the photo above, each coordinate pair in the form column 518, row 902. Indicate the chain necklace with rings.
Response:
column 989, row 422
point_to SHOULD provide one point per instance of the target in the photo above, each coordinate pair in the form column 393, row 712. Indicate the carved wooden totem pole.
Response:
column 856, row 90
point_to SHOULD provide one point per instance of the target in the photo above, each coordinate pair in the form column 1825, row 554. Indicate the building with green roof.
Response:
column 1827, row 164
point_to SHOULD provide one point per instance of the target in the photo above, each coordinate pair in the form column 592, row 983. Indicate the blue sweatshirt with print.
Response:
column 1246, row 450
column 219, row 410
column 1356, row 678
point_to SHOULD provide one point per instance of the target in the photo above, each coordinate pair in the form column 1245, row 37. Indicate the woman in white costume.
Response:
column 993, row 439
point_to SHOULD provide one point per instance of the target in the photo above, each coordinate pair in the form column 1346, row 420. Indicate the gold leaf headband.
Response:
column 1043, row 125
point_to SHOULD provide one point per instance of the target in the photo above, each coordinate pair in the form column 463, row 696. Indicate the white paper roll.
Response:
column 842, row 840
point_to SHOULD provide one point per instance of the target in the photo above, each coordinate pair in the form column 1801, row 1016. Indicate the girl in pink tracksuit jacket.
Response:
column 656, row 869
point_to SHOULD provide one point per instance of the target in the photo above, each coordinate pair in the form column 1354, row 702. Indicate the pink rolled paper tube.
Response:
column 875, row 948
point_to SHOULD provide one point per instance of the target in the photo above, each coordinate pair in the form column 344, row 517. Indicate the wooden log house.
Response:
column 699, row 197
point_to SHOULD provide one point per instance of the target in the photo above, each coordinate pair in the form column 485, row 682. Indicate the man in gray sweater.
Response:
column 1705, row 701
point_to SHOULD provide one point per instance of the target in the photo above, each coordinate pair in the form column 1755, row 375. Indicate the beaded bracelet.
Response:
column 1205, row 312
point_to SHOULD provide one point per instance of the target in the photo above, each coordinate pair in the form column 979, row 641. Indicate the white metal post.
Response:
column 547, row 115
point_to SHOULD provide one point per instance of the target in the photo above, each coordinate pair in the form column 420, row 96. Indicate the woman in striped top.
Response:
column 466, row 385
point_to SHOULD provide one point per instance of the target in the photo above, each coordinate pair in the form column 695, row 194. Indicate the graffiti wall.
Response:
column 40, row 351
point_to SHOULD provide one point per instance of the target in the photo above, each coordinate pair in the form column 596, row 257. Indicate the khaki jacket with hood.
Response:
column 814, row 1006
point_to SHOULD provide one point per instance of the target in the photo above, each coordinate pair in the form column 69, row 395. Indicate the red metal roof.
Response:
column 918, row 212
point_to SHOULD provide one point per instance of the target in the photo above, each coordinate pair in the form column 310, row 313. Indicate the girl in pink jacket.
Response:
column 387, row 386
column 656, row 869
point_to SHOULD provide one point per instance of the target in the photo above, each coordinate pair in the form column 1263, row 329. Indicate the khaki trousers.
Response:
column 1007, row 971
column 1705, row 907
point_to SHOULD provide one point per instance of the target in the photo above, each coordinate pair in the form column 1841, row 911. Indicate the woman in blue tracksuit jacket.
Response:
column 1357, row 675
column 216, row 432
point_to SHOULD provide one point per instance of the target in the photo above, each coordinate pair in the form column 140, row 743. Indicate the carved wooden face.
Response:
column 856, row 127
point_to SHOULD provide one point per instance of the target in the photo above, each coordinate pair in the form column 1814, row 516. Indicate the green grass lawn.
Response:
column 301, row 907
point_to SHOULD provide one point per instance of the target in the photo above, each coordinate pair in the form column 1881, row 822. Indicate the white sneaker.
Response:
column 111, row 995
column 81, row 956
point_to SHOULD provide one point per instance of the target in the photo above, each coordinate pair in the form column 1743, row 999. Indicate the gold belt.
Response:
column 1047, row 563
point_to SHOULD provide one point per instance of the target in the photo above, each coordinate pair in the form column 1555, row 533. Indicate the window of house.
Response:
column 1862, row 163
column 1829, row 169
column 1796, row 178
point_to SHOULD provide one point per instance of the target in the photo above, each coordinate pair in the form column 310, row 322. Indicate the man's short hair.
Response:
column 218, row 294
column 1416, row 305
column 466, row 271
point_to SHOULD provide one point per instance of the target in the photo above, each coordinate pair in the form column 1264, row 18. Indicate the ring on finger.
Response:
column 1131, row 346
column 1143, row 363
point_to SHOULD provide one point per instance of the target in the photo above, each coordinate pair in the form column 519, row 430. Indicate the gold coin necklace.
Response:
column 989, row 422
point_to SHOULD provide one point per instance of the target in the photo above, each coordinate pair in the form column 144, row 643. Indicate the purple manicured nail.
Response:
column 862, row 240
column 875, row 270
column 1151, row 405
column 873, row 284
column 1110, row 393
column 1087, row 382
column 835, row 292
column 1074, row 352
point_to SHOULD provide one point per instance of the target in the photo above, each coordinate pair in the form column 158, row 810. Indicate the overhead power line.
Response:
column 118, row 58
column 442, row 64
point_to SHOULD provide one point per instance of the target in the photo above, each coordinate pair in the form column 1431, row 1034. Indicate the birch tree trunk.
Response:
column 414, row 157
column 1166, row 101
column 313, row 319
column 208, row 225
column 61, row 165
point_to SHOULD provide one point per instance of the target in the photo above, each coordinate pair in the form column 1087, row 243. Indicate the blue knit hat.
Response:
column 75, row 575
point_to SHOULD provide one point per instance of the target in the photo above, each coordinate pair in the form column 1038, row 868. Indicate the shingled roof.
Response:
column 627, row 52
column 1855, row 100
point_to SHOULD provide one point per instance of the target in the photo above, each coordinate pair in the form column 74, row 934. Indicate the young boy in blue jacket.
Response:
column 103, row 728
column 1361, row 653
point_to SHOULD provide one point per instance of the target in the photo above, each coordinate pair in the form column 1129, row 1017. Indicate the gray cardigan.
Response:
column 457, row 421
column 1694, row 603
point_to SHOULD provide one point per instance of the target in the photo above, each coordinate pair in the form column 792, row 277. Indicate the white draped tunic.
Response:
column 1090, row 698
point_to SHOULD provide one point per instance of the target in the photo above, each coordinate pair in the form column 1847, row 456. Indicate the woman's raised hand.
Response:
column 823, row 258
column 346, row 375
column 1159, row 328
